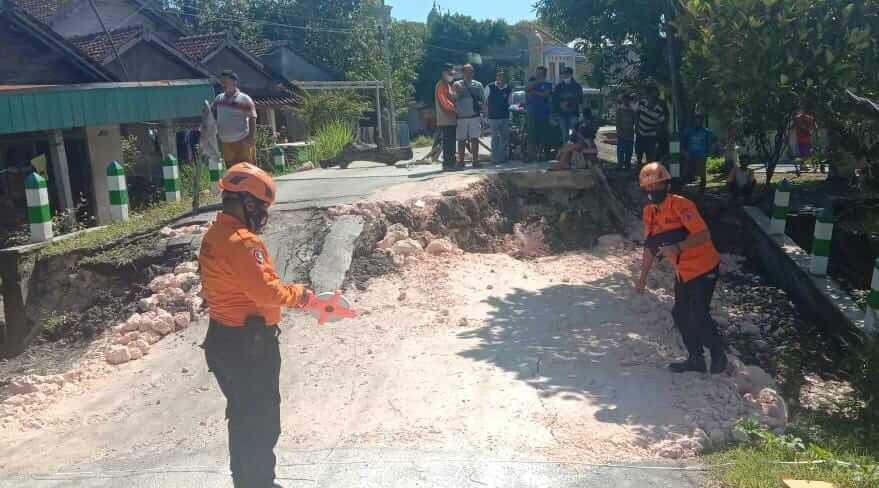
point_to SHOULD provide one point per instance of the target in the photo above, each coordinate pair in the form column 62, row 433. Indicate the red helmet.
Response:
column 652, row 174
column 247, row 178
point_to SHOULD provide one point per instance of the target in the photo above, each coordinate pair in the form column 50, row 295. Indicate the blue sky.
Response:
column 512, row 10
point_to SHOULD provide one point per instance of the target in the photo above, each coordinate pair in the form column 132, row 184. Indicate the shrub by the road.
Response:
column 328, row 142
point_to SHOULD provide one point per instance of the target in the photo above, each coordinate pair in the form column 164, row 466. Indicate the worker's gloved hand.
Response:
column 308, row 299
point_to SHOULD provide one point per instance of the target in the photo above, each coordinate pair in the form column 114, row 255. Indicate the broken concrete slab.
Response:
column 332, row 264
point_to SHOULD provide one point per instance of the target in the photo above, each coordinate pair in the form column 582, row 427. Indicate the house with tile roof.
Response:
column 63, row 108
column 295, row 65
column 139, row 55
column 72, row 18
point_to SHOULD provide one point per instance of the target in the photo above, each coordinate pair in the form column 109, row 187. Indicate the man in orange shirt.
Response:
column 447, row 116
column 675, row 231
column 245, row 296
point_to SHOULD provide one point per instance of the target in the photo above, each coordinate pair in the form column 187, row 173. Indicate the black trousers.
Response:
column 247, row 365
column 692, row 314
column 645, row 146
column 449, row 148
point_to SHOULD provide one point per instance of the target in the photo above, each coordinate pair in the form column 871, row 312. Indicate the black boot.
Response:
column 693, row 363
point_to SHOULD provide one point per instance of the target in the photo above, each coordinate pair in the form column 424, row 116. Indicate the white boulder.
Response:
column 142, row 345
column 394, row 234
column 437, row 247
column 407, row 247
column 181, row 320
column 751, row 379
column 161, row 282
column 134, row 353
column 117, row 355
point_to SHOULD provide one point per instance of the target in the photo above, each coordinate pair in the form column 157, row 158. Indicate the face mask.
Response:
column 449, row 78
column 566, row 80
column 657, row 196
column 257, row 214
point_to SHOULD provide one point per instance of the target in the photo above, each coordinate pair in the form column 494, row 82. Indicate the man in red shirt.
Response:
column 676, row 231
column 804, row 125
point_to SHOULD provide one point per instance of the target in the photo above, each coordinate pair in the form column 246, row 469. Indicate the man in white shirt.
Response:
column 236, row 122
column 469, row 99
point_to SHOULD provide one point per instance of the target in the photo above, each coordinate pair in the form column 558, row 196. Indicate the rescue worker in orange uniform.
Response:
column 675, row 230
column 245, row 297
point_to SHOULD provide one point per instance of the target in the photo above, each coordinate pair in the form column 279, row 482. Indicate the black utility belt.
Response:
column 250, row 325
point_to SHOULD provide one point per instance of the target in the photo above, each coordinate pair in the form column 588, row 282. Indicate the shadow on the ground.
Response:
column 584, row 343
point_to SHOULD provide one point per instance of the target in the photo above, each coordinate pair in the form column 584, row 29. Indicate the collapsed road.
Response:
column 499, row 343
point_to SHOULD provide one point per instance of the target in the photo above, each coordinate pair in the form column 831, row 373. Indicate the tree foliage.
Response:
column 455, row 38
column 755, row 62
column 620, row 37
column 345, row 35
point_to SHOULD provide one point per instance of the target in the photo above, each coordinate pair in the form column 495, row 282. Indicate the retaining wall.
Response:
column 788, row 265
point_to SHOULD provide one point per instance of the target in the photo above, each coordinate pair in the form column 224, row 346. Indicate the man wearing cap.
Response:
column 567, row 99
column 236, row 122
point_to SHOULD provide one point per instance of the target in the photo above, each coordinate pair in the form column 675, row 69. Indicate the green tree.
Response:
column 457, row 39
column 757, row 61
column 621, row 37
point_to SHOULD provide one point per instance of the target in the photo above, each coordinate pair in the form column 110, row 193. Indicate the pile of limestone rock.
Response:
column 404, row 248
column 175, row 301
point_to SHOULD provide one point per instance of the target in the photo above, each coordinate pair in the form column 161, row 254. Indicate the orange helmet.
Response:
column 653, row 173
column 245, row 177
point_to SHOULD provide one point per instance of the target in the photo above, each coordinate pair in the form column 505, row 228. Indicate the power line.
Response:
column 347, row 25
column 267, row 22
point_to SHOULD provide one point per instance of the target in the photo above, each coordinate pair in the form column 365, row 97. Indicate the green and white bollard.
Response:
column 118, row 191
column 171, row 178
column 873, row 301
column 215, row 168
column 821, row 242
column 780, row 208
column 39, row 215
column 674, row 160
column 278, row 159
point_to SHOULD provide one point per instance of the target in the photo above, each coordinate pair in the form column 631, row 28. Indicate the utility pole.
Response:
column 385, row 13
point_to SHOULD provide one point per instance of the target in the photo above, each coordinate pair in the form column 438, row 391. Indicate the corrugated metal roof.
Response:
column 29, row 108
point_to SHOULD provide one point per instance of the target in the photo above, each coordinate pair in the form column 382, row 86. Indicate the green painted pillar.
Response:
column 278, row 159
column 39, row 215
column 873, row 301
column 780, row 207
column 215, row 169
column 821, row 242
column 674, row 158
column 171, row 178
column 118, row 191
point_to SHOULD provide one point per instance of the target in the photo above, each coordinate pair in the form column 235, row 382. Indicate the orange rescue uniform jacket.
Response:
column 677, row 212
column 238, row 278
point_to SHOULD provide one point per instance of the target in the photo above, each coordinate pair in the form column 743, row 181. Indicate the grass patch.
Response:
column 149, row 219
column 422, row 141
column 328, row 142
column 832, row 449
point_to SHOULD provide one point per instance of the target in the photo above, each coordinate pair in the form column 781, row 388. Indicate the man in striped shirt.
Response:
column 651, row 115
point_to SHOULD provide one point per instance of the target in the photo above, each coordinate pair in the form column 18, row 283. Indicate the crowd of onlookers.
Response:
column 556, row 118
column 558, row 124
